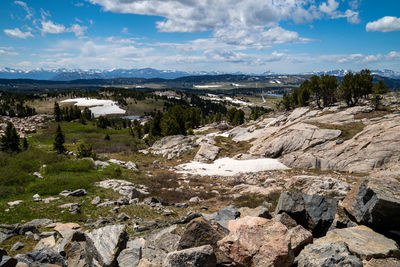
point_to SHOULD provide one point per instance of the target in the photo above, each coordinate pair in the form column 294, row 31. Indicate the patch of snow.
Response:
column 230, row 167
column 99, row 107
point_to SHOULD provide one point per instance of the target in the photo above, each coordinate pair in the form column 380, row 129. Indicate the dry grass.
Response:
column 230, row 148
column 349, row 130
column 371, row 115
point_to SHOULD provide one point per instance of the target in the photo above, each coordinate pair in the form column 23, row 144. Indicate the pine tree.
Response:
column 25, row 144
column 57, row 112
column 59, row 141
column 10, row 139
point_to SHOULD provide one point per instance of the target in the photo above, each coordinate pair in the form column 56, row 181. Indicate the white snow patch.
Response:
column 99, row 107
column 230, row 167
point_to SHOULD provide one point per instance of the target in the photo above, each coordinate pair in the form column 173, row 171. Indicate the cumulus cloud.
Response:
column 361, row 58
column 17, row 33
column 78, row 30
column 385, row 24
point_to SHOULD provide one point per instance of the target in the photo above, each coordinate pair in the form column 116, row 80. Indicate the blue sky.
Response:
column 288, row 36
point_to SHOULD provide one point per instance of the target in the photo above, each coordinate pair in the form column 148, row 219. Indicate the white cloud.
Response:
column 364, row 59
column 78, row 30
column 28, row 10
column 17, row 33
column 393, row 55
column 125, row 30
column 329, row 7
column 54, row 28
column 8, row 51
column 385, row 24
column 51, row 27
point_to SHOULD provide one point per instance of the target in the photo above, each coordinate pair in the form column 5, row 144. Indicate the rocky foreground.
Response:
column 343, row 211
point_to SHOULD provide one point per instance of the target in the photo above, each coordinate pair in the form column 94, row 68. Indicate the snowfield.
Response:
column 98, row 107
column 230, row 167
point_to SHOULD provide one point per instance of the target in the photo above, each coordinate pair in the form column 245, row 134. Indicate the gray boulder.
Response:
column 375, row 203
column 109, row 241
column 327, row 255
column 194, row 257
column 314, row 212
column 226, row 214
column 17, row 246
column 42, row 256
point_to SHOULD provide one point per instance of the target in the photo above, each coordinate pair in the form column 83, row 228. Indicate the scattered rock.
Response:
column 389, row 262
column 101, row 164
column 124, row 188
column 131, row 166
column 66, row 226
column 38, row 175
column 17, row 246
column 363, row 242
column 197, row 257
column 318, row 185
column 260, row 211
column 226, row 214
column 96, row 201
column 15, row 203
column 313, row 212
column 194, row 200
column 329, row 255
column 48, row 242
column 255, row 241
column 286, row 220
column 173, row 146
column 76, row 193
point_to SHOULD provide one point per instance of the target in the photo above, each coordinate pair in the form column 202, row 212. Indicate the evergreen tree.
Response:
column 328, row 87
column 25, row 144
column 316, row 90
column 380, row 88
column 107, row 137
column 57, row 112
column 10, row 140
column 59, row 141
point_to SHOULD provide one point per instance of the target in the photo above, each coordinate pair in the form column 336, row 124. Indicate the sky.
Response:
column 248, row 36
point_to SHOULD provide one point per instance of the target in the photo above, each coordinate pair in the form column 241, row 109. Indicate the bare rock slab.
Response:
column 363, row 242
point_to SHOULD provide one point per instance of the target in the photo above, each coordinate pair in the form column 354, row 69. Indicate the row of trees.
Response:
column 326, row 90
column 71, row 113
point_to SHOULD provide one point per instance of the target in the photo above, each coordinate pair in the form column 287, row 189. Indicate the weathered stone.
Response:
column 376, row 203
column 299, row 238
column 76, row 193
column 318, row 185
column 66, row 226
column 173, row 146
column 109, row 241
column 260, row 211
column 286, row 220
column 226, row 214
column 200, row 232
column 159, row 243
column 42, row 256
column 96, row 201
column 125, row 188
column 207, row 152
column 327, row 255
column 130, row 257
column 79, row 249
column 363, row 242
column 197, row 257
column 389, row 262
column 6, row 261
column 48, row 242
column 17, row 246
column 255, row 241
column 313, row 212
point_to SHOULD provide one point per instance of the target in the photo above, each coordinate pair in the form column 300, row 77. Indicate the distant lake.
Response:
column 132, row 117
column 275, row 95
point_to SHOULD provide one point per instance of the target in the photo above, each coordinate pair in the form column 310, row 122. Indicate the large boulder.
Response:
column 200, row 232
column 159, row 243
column 327, row 255
column 207, row 152
column 194, row 257
column 130, row 257
column 318, row 185
column 255, row 241
column 79, row 249
column 375, row 203
column 173, row 146
column 363, row 242
column 299, row 238
column 109, row 241
column 314, row 212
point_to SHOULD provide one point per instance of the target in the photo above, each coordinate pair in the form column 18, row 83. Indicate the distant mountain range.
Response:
column 147, row 73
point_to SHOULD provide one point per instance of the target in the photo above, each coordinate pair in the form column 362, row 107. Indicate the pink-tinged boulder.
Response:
column 299, row 238
column 255, row 241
